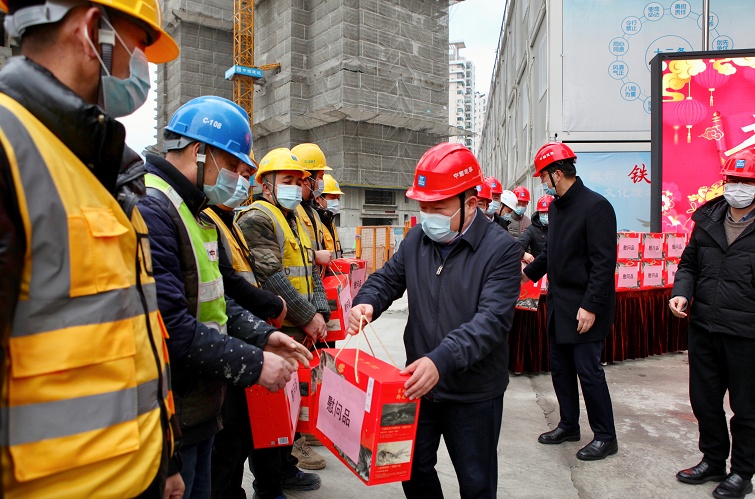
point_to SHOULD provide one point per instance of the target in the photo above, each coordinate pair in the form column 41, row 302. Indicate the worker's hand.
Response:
column 316, row 329
column 174, row 487
column 357, row 311
column 528, row 258
column 585, row 320
column 678, row 305
column 323, row 257
column 283, row 313
column 288, row 348
column 424, row 377
column 276, row 372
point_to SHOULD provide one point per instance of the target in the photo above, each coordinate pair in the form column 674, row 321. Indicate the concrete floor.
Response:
column 656, row 429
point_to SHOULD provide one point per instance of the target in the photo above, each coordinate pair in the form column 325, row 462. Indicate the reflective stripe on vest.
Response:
column 332, row 242
column 315, row 232
column 232, row 242
column 296, row 252
column 83, row 382
column 204, row 241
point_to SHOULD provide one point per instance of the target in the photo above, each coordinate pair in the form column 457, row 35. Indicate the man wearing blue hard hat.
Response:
column 212, row 340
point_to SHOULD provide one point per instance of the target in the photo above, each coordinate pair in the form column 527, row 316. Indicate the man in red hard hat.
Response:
column 520, row 221
column 462, row 276
column 716, row 274
column 580, row 260
column 495, row 192
column 484, row 197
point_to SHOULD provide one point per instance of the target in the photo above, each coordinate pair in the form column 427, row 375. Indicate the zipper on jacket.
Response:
column 444, row 260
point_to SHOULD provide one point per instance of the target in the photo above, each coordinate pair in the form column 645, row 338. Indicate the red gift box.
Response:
column 628, row 245
column 670, row 267
column 338, row 293
column 273, row 416
column 355, row 268
column 529, row 294
column 652, row 245
column 380, row 450
column 308, row 391
column 627, row 276
column 652, row 274
column 674, row 244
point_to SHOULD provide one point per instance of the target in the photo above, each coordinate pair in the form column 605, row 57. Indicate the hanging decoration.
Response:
column 711, row 79
column 690, row 112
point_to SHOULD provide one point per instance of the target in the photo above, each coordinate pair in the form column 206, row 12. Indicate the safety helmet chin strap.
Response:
column 106, row 39
column 461, row 213
column 201, row 159
column 271, row 187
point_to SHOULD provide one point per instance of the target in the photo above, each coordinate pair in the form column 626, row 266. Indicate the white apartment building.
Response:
column 480, row 107
column 461, row 97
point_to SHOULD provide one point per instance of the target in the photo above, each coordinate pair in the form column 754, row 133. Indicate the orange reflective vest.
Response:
column 85, row 396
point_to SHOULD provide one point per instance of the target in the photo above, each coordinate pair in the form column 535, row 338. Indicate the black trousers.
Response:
column 581, row 361
column 231, row 447
column 717, row 363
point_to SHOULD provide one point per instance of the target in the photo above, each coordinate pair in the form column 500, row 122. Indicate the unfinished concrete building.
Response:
column 367, row 80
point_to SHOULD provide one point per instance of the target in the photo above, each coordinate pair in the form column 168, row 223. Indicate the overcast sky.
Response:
column 475, row 22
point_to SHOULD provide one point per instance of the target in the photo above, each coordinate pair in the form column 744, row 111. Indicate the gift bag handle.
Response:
column 362, row 332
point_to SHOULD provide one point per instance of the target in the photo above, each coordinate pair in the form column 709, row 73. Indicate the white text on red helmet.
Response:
column 546, row 155
column 461, row 173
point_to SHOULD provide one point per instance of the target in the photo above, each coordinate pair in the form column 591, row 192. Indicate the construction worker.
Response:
column 329, row 206
column 504, row 215
column 456, row 342
column 313, row 160
column 86, row 400
column 520, row 221
column 495, row 190
column 212, row 341
column 535, row 237
column 484, row 196
column 284, row 263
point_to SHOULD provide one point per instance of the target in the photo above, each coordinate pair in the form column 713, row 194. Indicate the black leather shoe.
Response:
column 703, row 472
column 598, row 449
column 558, row 436
column 734, row 487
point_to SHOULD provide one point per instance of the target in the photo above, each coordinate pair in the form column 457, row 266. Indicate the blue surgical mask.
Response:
column 288, row 196
column 241, row 194
column 438, row 227
column 320, row 187
column 551, row 191
column 225, row 185
column 519, row 210
column 544, row 218
column 123, row 97
column 493, row 208
column 334, row 205
column 507, row 217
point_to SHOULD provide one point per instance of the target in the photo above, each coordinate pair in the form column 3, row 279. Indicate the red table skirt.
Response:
column 644, row 326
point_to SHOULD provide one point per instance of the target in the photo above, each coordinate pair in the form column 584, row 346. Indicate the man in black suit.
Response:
column 580, row 260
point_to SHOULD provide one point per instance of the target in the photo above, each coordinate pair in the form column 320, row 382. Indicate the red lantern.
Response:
column 690, row 112
column 711, row 79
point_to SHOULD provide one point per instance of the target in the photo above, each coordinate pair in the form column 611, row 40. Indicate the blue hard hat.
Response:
column 215, row 121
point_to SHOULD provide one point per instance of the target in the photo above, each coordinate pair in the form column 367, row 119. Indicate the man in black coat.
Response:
column 580, row 260
column 462, row 277
column 716, row 274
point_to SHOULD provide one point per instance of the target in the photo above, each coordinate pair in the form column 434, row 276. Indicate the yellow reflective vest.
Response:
column 316, row 231
column 296, row 251
column 236, row 248
column 332, row 242
column 85, row 395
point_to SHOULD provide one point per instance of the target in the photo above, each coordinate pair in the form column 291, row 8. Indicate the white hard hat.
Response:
column 508, row 198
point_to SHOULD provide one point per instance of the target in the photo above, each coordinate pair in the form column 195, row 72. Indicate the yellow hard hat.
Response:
column 331, row 185
column 311, row 157
column 163, row 49
column 280, row 160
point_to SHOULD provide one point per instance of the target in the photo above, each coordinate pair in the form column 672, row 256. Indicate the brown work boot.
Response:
column 308, row 459
column 312, row 440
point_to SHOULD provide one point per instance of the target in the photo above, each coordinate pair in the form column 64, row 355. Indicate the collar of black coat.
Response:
column 710, row 218
column 474, row 234
column 86, row 129
column 195, row 199
column 576, row 188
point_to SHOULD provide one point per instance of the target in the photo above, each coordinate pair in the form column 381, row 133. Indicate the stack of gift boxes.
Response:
column 647, row 260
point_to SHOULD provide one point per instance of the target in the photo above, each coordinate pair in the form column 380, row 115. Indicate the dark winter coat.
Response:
column 535, row 237
column 717, row 278
column 580, row 260
column 460, row 308
column 202, row 359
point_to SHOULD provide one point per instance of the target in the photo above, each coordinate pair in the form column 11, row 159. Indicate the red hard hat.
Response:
column 544, row 202
column 522, row 194
column 444, row 171
column 494, row 184
column 741, row 164
column 483, row 191
column 550, row 153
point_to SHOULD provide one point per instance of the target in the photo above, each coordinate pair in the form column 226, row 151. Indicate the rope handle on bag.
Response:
column 362, row 331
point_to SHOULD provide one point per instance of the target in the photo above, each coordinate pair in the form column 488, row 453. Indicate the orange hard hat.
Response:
column 741, row 164
column 483, row 191
column 522, row 194
column 444, row 171
column 494, row 184
column 544, row 202
column 550, row 153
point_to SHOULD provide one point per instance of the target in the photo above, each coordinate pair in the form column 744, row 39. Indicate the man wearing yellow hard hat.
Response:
column 86, row 399
column 329, row 206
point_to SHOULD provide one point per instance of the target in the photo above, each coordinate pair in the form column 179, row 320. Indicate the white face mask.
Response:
column 493, row 208
column 288, row 196
column 334, row 205
column 438, row 227
column 739, row 195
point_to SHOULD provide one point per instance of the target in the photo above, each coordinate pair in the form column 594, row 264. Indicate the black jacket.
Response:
column 460, row 309
column 580, row 260
column 717, row 278
column 202, row 359
column 534, row 240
